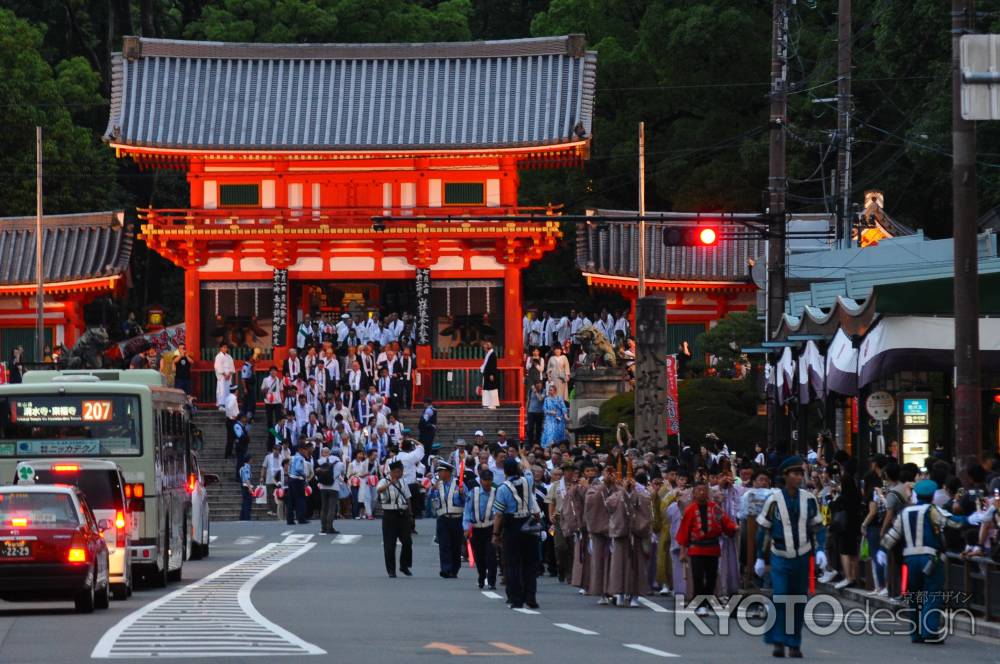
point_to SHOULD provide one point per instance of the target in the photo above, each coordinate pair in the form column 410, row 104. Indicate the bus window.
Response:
column 69, row 425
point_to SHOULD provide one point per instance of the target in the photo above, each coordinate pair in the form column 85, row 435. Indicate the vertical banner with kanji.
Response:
column 280, row 315
column 423, row 322
column 673, row 405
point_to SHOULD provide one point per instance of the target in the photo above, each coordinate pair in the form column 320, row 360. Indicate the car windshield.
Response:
column 69, row 425
column 37, row 510
column 102, row 488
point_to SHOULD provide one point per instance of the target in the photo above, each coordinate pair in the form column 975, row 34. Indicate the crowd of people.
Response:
column 693, row 523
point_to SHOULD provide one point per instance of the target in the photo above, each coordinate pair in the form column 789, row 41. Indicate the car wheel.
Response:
column 120, row 592
column 84, row 600
column 196, row 550
column 102, row 599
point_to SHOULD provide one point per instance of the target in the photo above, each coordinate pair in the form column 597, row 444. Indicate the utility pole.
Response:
column 776, row 187
column 777, row 179
column 968, row 437
column 39, row 273
column 642, row 209
column 844, row 137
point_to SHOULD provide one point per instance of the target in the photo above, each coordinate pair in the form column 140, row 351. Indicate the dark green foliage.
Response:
column 725, row 407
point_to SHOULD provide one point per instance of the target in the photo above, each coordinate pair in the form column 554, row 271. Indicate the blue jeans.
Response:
column 355, row 501
column 874, row 541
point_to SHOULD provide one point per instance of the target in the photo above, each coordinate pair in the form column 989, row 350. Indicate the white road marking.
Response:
column 213, row 617
column 652, row 605
column 247, row 539
column 491, row 594
column 287, row 532
column 574, row 628
column 297, row 539
column 530, row 612
column 212, row 538
column 345, row 539
column 649, row 651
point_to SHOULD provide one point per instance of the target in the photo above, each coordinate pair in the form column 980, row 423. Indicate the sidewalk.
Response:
column 961, row 623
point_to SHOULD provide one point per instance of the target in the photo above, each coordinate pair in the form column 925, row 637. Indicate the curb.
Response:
column 962, row 625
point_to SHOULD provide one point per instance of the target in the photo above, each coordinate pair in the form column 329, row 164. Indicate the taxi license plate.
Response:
column 15, row 549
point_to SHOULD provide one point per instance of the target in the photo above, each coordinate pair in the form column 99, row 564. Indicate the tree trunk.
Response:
column 146, row 18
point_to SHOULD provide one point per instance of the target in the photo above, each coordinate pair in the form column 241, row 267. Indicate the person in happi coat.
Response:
column 629, row 526
column 702, row 525
column 597, row 515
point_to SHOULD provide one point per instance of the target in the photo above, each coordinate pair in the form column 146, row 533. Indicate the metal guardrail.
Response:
column 978, row 579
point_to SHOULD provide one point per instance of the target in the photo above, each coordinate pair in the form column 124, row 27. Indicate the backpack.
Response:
column 324, row 474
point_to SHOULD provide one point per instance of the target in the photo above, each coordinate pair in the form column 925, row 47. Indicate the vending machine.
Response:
column 915, row 426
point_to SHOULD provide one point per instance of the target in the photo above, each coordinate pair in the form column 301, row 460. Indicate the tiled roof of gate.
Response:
column 76, row 246
column 340, row 97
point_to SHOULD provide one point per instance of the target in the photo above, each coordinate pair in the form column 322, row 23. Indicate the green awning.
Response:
column 934, row 297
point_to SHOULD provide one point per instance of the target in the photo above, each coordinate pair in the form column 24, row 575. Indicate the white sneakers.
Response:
column 843, row 583
column 702, row 611
column 664, row 591
column 602, row 602
column 634, row 603
column 828, row 576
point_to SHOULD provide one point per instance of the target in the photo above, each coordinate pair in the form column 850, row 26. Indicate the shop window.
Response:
column 239, row 195
column 463, row 193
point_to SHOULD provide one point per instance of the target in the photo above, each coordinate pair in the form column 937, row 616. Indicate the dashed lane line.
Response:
column 247, row 539
column 649, row 651
column 212, row 538
column 213, row 617
column 530, row 612
column 574, row 628
column 304, row 538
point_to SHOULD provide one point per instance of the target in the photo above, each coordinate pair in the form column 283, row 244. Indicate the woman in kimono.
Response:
column 727, row 496
column 554, row 427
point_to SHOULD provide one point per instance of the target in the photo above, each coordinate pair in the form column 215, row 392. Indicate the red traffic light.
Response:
column 690, row 236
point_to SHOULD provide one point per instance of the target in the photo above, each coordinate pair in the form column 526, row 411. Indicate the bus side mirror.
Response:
column 104, row 524
column 209, row 479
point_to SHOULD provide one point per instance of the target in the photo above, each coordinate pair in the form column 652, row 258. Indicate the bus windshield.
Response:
column 69, row 425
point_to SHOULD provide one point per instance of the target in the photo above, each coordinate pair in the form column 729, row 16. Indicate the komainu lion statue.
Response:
column 597, row 347
column 88, row 351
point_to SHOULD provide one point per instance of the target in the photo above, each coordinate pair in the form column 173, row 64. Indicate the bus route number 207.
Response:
column 96, row 411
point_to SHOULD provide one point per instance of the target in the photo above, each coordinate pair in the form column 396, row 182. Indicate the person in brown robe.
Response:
column 573, row 511
column 597, row 515
column 629, row 528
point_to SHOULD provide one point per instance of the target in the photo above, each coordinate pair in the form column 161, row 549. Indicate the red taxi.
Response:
column 52, row 547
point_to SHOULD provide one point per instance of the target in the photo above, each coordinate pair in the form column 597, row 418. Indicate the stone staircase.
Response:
column 463, row 422
column 225, row 497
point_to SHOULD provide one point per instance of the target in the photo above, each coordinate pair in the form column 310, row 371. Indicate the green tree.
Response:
column 79, row 171
column 730, row 335
column 727, row 408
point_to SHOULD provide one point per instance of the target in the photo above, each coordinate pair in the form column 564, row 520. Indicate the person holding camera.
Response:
column 394, row 497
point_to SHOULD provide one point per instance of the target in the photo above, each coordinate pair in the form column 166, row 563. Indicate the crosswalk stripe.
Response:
column 345, row 539
column 184, row 622
column 649, row 651
column 302, row 538
column 530, row 612
column 247, row 539
column 212, row 538
column 652, row 605
column 491, row 594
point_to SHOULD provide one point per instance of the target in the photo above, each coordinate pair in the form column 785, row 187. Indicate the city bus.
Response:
column 128, row 417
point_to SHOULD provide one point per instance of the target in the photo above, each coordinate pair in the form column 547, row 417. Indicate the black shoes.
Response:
column 795, row 652
column 480, row 584
column 532, row 605
column 333, row 531
column 392, row 575
column 493, row 587
column 779, row 650
column 406, row 571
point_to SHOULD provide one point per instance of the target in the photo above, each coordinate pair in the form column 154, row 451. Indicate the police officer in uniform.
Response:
column 478, row 526
column 788, row 523
column 513, row 507
column 920, row 527
column 394, row 497
column 449, row 506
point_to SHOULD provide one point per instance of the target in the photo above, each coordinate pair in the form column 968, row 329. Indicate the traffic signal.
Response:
column 690, row 236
